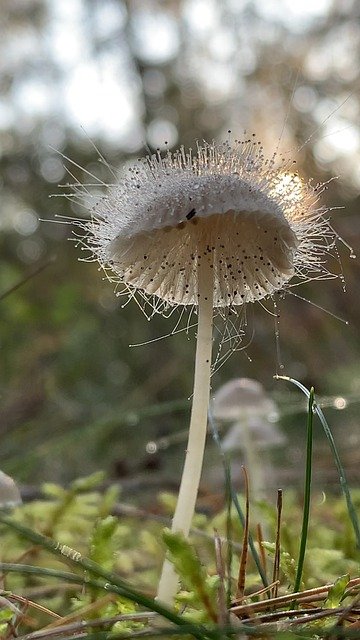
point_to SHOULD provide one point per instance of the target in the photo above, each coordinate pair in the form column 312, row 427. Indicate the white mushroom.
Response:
column 242, row 397
column 219, row 228
column 245, row 404
column 9, row 492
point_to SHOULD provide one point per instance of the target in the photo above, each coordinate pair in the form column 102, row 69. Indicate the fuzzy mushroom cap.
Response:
column 226, row 206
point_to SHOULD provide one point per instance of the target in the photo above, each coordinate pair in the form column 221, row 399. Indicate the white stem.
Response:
column 253, row 461
column 190, row 479
column 256, row 468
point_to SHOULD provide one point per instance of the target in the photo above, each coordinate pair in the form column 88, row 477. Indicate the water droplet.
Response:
column 340, row 403
column 353, row 255
column 151, row 447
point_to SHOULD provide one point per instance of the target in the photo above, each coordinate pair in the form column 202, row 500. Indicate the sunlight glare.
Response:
column 289, row 186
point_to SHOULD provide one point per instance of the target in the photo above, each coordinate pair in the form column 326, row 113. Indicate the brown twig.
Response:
column 28, row 277
column 81, row 625
column 244, row 553
column 262, row 554
column 80, row 613
column 307, row 596
column 29, row 603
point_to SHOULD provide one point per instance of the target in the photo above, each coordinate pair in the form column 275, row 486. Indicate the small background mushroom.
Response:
column 9, row 492
column 252, row 413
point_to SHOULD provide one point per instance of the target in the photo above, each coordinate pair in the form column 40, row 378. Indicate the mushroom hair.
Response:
column 255, row 224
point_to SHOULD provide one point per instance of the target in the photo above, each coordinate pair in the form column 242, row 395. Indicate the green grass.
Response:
column 70, row 566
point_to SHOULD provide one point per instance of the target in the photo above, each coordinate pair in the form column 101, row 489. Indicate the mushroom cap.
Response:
column 242, row 398
column 253, row 224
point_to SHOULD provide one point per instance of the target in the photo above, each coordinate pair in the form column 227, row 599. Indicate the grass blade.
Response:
column 307, row 493
column 343, row 482
column 277, row 555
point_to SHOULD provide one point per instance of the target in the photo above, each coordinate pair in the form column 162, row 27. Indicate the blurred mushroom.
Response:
column 263, row 434
column 9, row 492
column 245, row 404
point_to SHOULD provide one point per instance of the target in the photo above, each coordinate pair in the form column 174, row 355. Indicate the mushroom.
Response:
column 9, row 492
column 244, row 403
column 212, row 230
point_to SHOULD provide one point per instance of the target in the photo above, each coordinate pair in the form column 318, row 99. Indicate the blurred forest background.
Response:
column 129, row 75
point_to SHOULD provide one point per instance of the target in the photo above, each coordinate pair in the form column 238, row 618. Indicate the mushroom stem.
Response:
column 190, row 479
column 253, row 461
